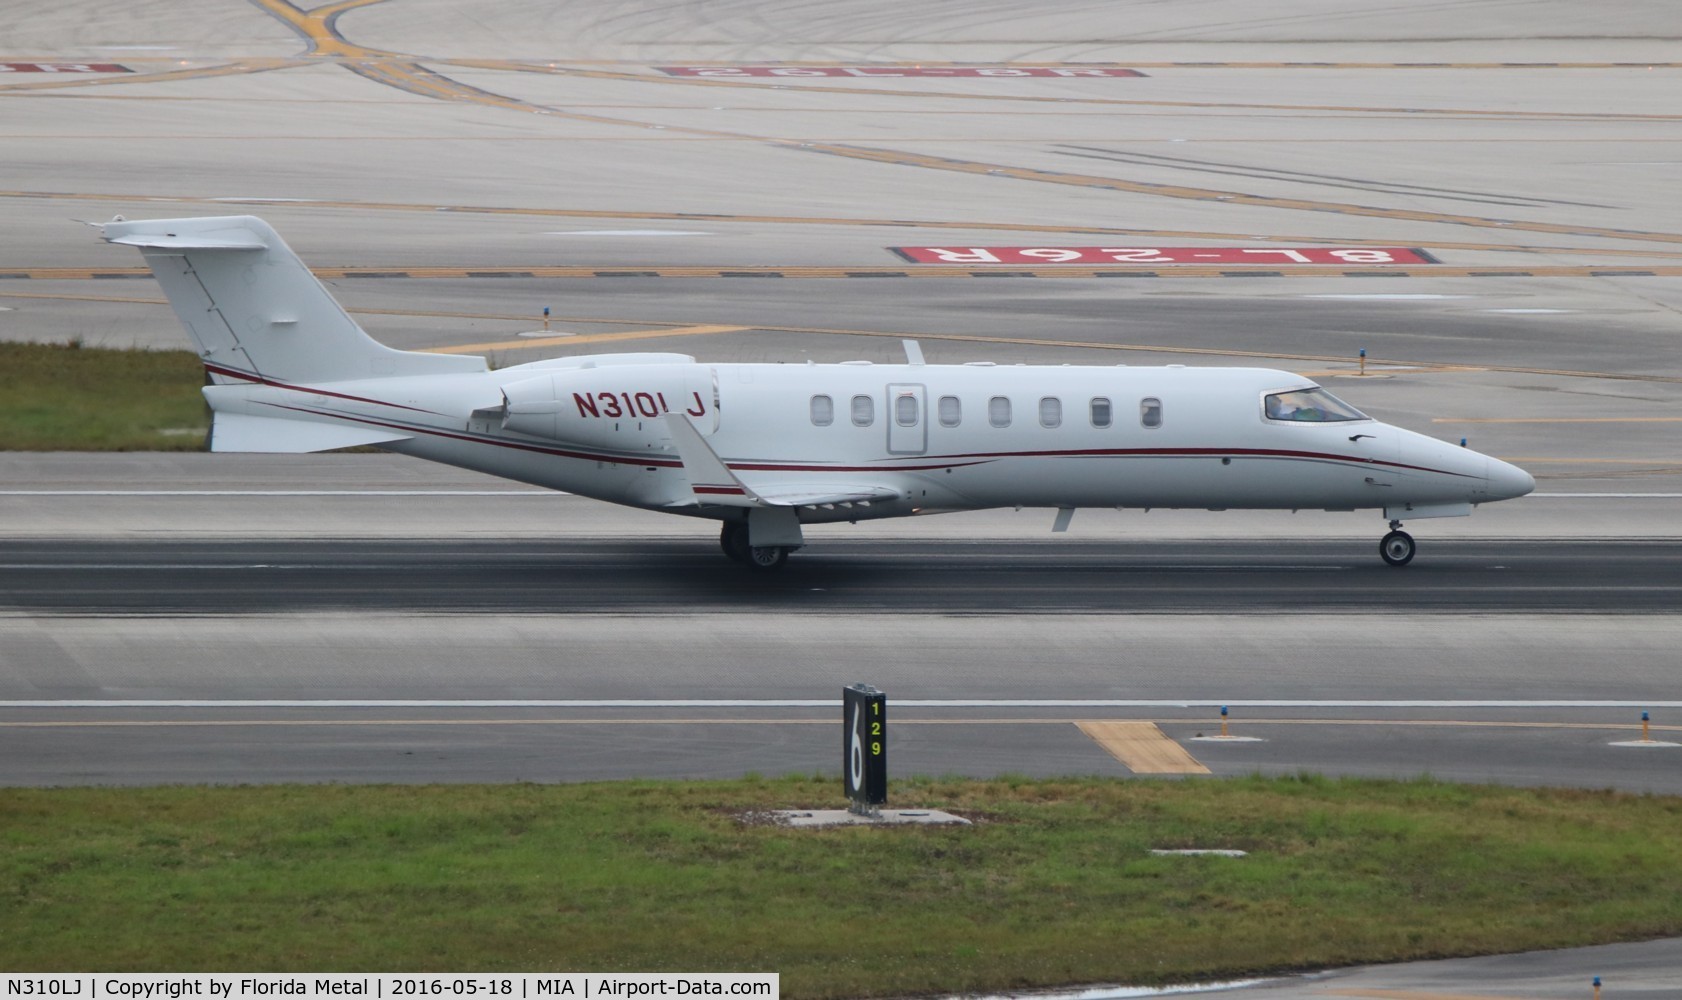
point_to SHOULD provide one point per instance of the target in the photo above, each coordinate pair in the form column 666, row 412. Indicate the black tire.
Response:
column 733, row 539
column 1396, row 548
column 767, row 557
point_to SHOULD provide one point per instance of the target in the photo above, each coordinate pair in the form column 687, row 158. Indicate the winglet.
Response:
column 709, row 478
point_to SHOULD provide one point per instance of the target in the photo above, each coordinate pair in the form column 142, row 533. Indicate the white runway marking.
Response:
column 645, row 703
column 282, row 493
column 629, row 232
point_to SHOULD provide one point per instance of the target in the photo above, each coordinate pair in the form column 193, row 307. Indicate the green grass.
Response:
column 55, row 397
column 1054, row 885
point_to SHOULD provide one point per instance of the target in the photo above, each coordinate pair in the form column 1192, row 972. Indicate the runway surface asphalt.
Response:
column 987, row 577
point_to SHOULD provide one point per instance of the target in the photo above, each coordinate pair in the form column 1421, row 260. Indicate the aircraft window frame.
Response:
column 1051, row 412
column 1101, row 411
column 906, row 410
column 951, row 410
column 1150, row 413
column 822, row 410
column 998, row 411
column 1307, row 405
column 863, row 410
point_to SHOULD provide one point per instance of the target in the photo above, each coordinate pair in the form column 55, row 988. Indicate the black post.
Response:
column 864, row 747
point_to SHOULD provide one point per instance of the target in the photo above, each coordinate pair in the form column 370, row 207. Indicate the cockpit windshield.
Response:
column 1314, row 404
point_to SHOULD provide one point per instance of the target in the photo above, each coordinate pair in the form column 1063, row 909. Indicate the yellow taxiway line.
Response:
column 589, row 338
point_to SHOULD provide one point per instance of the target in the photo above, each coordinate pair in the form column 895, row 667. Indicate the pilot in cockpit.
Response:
column 1316, row 405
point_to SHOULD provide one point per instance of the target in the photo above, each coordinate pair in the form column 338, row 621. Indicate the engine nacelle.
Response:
column 615, row 407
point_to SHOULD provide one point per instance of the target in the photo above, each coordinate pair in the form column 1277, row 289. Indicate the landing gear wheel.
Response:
column 734, row 541
column 1397, row 548
column 767, row 557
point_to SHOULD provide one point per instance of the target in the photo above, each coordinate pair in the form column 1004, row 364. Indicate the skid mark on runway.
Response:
column 1234, row 198
column 573, row 68
column 1142, row 747
column 406, row 74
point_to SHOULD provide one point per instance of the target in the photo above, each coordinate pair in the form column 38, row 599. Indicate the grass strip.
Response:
column 1053, row 885
column 66, row 397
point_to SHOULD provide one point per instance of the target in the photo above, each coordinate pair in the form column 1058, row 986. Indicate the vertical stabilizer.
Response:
column 254, row 310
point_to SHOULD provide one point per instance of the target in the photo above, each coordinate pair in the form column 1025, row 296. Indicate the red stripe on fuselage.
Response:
column 261, row 380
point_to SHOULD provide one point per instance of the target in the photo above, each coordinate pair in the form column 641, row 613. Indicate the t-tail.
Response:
column 256, row 313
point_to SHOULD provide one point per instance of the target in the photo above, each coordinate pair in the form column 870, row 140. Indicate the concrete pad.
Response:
column 887, row 817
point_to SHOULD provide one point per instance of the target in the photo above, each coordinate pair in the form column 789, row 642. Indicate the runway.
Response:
column 369, row 618
column 628, row 576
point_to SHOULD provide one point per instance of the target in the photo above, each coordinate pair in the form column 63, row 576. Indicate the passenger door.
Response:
column 908, row 429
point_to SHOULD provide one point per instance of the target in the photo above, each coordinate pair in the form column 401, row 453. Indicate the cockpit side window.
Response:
column 1314, row 405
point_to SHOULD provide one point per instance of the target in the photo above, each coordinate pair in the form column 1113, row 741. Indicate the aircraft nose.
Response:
column 1507, row 481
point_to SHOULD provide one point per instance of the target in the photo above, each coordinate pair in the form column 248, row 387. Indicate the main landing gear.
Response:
column 1397, row 547
column 733, row 539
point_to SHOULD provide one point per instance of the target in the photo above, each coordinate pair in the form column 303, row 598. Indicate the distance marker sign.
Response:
column 864, row 746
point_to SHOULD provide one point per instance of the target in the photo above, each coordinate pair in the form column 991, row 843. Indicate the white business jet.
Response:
column 767, row 448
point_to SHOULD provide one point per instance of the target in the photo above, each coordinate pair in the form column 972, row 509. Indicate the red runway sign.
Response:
column 898, row 71
column 51, row 67
column 1164, row 255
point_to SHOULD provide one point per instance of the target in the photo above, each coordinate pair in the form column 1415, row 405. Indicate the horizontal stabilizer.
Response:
column 241, row 432
column 161, row 241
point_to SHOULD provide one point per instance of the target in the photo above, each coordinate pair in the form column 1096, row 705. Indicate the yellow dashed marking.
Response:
column 594, row 338
column 929, row 271
column 1143, row 747
column 1151, row 235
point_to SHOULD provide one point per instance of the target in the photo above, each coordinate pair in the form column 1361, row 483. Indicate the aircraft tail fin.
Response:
column 253, row 309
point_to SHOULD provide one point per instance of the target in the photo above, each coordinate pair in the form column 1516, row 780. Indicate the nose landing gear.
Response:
column 1396, row 548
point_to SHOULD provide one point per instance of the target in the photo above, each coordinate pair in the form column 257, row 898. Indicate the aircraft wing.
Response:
column 712, row 482
column 814, row 494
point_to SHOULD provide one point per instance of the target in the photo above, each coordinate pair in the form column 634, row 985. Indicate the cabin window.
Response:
column 864, row 411
column 1314, row 405
column 951, row 411
column 1150, row 412
column 998, row 411
column 905, row 410
column 823, row 411
column 1100, row 412
column 1051, row 411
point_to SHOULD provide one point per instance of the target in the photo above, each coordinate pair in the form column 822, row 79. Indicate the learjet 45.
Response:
column 768, row 448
